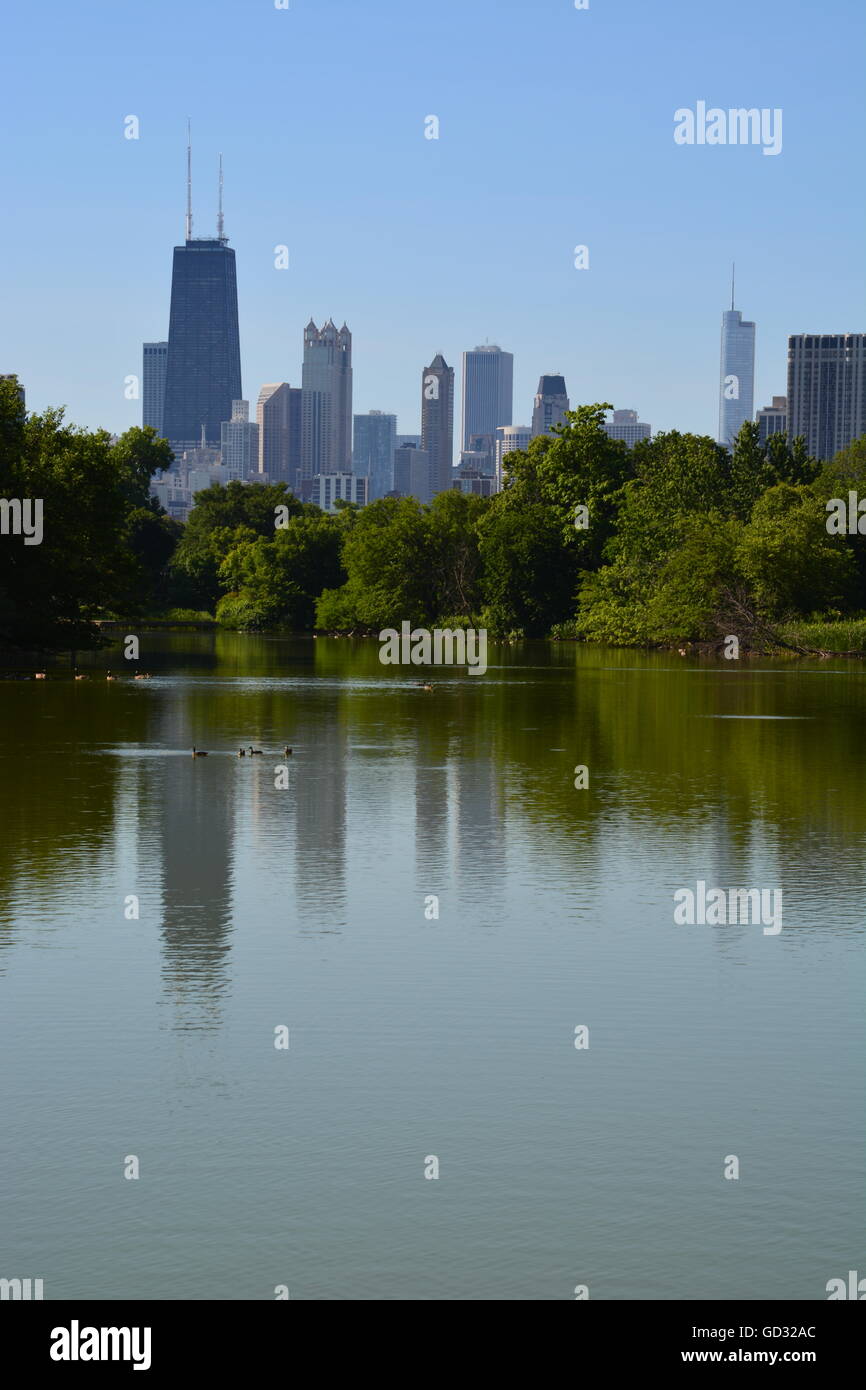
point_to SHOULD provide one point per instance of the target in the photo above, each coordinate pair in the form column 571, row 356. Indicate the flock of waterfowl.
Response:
column 242, row 752
column 248, row 752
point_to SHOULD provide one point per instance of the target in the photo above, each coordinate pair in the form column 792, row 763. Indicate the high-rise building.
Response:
column 328, row 487
column 154, row 362
column 773, row 419
column 326, row 425
column 488, row 376
column 551, row 403
column 375, row 440
column 826, row 390
column 412, row 472
column 510, row 439
column 626, row 426
column 437, row 422
column 470, row 480
column 239, row 443
column 736, row 374
column 278, row 416
column 203, row 366
column 407, row 439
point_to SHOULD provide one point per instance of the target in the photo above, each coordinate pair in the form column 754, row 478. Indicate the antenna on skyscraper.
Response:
column 188, row 180
column 220, row 223
column 733, row 273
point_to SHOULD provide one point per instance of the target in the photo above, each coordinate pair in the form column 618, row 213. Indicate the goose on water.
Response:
column 198, row 752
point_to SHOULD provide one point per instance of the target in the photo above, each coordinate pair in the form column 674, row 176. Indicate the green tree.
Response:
column 221, row 518
column 87, row 564
column 387, row 555
column 275, row 582
column 792, row 566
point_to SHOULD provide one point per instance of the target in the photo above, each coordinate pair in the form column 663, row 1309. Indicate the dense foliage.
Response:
column 674, row 540
column 105, row 543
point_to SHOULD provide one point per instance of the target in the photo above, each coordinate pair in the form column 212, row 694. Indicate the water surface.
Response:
column 304, row 906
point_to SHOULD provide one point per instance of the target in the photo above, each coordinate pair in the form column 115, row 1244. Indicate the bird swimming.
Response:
column 198, row 752
column 256, row 752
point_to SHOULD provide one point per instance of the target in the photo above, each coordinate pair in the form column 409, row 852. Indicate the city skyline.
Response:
column 327, row 424
column 662, row 222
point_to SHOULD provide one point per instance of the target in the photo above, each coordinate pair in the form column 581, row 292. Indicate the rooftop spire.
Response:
column 733, row 273
column 220, row 220
column 188, row 180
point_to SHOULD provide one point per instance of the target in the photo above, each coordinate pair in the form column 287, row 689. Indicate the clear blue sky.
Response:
column 556, row 129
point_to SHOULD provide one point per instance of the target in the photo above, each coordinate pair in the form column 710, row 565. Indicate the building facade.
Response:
column 488, row 390
column 326, row 409
column 412, row 472
column 279, row 418
column 736, row 375
column 375, row 439
column 626, row 426
column 203, row 362
column 153, row 367
column 827, row 390
column 510, row 439
column 437, row 422
column 551, row 403
column 328, row 487
column 239, row 444
column 773, row 419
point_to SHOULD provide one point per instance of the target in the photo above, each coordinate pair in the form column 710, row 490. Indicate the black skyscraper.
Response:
column 203, row 372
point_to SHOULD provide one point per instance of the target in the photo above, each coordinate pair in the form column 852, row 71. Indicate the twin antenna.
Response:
column 220, row 219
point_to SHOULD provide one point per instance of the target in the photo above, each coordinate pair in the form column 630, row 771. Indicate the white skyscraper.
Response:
column 488, row 378
column 510, row 439
column 626, row 426
column 736, row 374
column 239, row 443
column 326, row 429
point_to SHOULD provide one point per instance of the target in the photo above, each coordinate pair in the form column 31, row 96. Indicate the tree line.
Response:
column 676, row 539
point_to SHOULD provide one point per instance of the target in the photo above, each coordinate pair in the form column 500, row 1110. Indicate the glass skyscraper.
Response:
column 826, row 390
column 736, row 375
column 488, row 375
column 154, row 359
column 203, row 366
column 373, row 452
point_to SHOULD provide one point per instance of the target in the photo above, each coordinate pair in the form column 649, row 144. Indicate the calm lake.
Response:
column 411, row 1036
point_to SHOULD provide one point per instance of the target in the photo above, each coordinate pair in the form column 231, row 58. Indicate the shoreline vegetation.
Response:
column 676, row 544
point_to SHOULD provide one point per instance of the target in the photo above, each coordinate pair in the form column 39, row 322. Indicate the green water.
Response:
column 308, row 906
